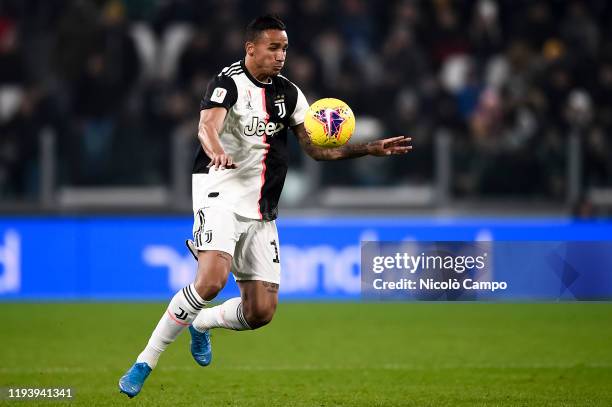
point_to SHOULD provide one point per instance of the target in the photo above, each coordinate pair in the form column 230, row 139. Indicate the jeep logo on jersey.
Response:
column 259, row 127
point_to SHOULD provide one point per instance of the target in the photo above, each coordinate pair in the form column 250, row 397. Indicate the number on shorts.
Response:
column 276, row 259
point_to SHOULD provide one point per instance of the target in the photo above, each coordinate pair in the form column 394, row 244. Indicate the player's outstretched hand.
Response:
column 221, row 161
column 389, row 146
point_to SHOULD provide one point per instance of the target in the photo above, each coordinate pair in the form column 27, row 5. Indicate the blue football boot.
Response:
column 201, row 349
column 131, row 382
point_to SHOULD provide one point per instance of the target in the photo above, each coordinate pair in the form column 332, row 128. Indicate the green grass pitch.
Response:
column 323, row 354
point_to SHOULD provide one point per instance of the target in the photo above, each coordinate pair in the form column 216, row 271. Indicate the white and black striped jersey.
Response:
column 255, row 135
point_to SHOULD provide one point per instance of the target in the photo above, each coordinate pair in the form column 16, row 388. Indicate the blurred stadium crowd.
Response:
column 509, row 80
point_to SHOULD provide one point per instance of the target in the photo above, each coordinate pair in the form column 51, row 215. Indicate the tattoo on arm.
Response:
column 326, row 154
column 270, row 287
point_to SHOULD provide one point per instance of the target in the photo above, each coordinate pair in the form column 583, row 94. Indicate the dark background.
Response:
column 509, row 103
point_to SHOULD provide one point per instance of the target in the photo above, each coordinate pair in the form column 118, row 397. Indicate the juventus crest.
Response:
column 279, row 103
column 208, row 236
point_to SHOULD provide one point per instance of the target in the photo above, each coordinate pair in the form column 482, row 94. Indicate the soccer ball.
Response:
column 329, row 122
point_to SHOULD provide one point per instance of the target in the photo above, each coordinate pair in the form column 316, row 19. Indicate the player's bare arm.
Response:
column 211, row 122
column 378, row 148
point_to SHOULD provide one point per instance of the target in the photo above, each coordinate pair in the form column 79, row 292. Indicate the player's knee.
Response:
column 208, row 288
column 211, row 277
column 259, row 315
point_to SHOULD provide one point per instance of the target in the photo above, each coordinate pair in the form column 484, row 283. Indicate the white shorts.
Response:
column 253, row 244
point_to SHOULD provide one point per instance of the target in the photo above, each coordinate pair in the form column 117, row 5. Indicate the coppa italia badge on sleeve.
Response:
column 218, row 95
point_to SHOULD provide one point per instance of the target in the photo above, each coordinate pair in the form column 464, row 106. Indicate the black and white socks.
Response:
column 228, row 315
column 182, row 310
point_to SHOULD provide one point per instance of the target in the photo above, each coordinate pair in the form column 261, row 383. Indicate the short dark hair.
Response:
column 262, row 23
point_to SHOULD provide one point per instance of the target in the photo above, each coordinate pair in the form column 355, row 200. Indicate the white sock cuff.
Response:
column 196, row 295
column 241, row 318
column 193, row 298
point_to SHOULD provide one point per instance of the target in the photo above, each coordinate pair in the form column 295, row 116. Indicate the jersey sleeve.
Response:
column 220, row 92
column 300, row 109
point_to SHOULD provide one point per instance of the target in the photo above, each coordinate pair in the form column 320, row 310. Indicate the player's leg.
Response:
column 214, row 264
column 256, row 267
column 253, row 309
column 209, row 282
column 213, row 269
column 259, row 301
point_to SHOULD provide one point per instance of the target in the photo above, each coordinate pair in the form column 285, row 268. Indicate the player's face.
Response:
column 270, row 51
